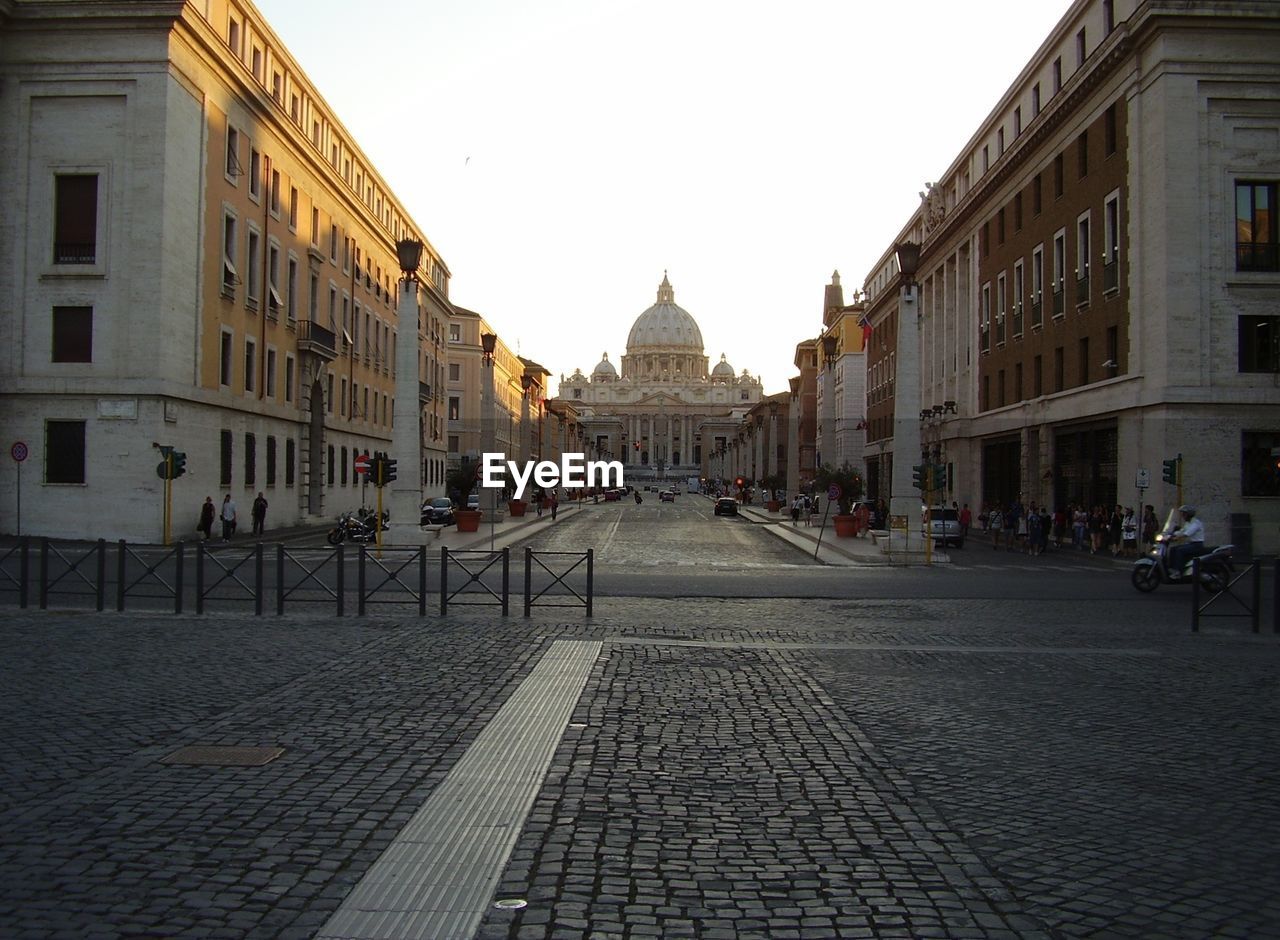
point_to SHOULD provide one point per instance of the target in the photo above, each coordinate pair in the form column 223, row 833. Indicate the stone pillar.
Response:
column 757, row 467
column 772, row 462
column 793, row 442
column 904, row 503
column 406, row 433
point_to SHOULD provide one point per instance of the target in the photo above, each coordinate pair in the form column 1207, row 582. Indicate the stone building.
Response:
column 1099, row 280
column 666, row 413
column 194, row 252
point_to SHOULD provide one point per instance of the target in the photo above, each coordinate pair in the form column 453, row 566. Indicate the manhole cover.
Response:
column 511, row 904
column 215, row 756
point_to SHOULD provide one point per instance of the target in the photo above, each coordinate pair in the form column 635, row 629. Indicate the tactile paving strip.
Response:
column 437, row 877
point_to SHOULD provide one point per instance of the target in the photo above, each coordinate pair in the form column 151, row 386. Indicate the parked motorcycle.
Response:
column 1153, row 568
column 358, row 527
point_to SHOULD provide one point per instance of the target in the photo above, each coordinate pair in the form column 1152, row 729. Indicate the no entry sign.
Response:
column 362, row 464
column 18, row 451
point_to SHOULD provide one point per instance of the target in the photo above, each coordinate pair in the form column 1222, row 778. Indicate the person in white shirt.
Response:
column 1190, row 538
column 228, row 515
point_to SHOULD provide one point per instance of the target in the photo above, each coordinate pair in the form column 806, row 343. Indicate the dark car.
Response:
column 438, row 511
column 726, row 506
column 667, row 496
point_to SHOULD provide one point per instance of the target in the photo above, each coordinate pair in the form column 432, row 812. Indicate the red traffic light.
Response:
column 739, row 481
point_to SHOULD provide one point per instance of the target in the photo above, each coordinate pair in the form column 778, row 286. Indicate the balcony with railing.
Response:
column 1058, row 301
column 1017, row 320
column 1037, row 312
column 424, row 392
column 1082, row 289
column 314, row 338
column 1257, row 256
column 1110, row 276
column 75, row 253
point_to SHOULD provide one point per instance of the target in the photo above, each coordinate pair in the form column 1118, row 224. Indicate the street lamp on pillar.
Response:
column 406, row 491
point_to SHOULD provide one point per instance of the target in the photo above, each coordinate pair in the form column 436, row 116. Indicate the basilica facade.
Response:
column 667, row 414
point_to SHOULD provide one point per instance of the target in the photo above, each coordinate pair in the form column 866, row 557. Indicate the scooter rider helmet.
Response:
column 1187, row 511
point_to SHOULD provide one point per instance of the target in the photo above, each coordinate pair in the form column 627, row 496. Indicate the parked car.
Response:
column 944, row 523
column 667, row 496
column 612, row 496
column 438, row 511
column 726, row 506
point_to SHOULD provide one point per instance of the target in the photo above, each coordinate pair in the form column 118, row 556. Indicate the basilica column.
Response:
column 671, row 437
column 758, row 467
column 772, row 463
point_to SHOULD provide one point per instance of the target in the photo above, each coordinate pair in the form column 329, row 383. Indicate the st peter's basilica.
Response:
column 668, row 411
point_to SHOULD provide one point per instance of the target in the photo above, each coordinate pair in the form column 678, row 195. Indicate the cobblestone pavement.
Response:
column 891, row 767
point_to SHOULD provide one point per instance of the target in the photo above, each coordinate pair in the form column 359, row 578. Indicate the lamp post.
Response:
column 771, row 463
column 488, row 419
column 406, row 431
column 904, row 502
column 525, row 451
column 827, row 414
column 793, row 440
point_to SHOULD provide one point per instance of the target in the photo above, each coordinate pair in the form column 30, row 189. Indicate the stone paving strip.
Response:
column 436, row 879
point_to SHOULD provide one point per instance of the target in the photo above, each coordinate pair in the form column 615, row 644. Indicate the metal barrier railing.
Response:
column 8, row 581
column 391, row 576
column 462, row 558
column 152, row 573
column 1252, row 610
column 72, row 567
column 287, row 562
column 587, row 557
column 229, row 573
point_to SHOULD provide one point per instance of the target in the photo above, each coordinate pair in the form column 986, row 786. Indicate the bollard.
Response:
column 444, row 581
column 199, row 577
column 342, row 592
column 177, row 576
column 591, row 577
column 528, row 580
column 422, row 581
column 24, row 571
column 257, row 579
column 120, row 554
column 102, row 575
column 1195, row 595
column 360, row 580
column 280, row 580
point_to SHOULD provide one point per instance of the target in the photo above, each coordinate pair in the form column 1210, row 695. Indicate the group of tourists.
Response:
column 1122, row 531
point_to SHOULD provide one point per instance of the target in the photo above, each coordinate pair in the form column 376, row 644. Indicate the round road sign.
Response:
column 362, row 463
column 834, row 492
column 18, row 451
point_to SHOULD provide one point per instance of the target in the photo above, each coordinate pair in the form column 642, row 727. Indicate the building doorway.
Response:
column 1085, row 466
column 1002, row 471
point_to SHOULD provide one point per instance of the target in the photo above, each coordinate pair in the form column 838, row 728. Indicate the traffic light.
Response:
column 178, row 461
column 739, row 482
column 938, row 481
column 1173, row 470
column 388, row 469
column 920, row 476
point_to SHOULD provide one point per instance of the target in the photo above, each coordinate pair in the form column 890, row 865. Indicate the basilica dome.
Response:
column 605, row 367
column 665, row 325
column 723, row 369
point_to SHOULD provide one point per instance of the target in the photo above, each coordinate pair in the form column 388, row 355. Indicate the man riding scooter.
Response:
column 1190, row 539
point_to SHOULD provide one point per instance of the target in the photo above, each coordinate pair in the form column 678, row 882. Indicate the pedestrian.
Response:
column 1115, row 530
column 1097, row 529
column 862, row 516
column 207, row 513
column 228, row 518
column 1014, row 525
column 539, row 498
column 995, row 525
column 966, row 518
column 795, row 510
column 1034, row 529
column 1149, row 525
column 1079, row 527
column 259, row 513
column 1129, row 533
column 555, row 503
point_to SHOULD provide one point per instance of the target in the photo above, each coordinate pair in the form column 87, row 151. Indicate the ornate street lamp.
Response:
column 409, row 253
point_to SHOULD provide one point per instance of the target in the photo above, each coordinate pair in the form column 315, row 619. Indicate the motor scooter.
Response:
column 1153, row 568
column 357, row 527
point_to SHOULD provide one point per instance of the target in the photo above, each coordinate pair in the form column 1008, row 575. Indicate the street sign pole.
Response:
column 19, row 454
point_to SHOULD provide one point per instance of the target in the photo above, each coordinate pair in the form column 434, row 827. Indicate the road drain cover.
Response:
column 511, row 904
column 215, row 756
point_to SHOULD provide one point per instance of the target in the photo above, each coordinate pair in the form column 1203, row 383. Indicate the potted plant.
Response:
column 850, row 482
column 772, row 484
column 461, row 482
column 516, row 507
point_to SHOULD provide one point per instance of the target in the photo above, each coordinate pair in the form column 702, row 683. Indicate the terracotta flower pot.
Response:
column 468, row 520
column 516, row 506
column 846, row 526
column 773, row 505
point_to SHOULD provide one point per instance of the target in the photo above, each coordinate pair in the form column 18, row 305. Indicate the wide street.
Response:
column 740, row 743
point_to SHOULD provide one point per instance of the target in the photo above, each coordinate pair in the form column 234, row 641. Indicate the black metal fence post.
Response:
column 1257, row 597
column 24, row 571
column 444, row 581
column 257, row 579
column 506, row 581
column 360, row 580
column 422, row 581
column 102, row 575
column 342, row 583
column 1275, row 601
column 44, row 574
column 1195, row 595
column 280, row 580
column 528, row 580
column 178, row 554
column 591, row 577
column 120, row 553
column 199, row 577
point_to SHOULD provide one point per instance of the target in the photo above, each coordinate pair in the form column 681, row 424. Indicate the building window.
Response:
column 1036, row 201
column 231, row 162
column 293, row 208
column 224, row 359
column 1082, row 154
column 1019, row 285
column 1000, row 400
column 1058, row 174
column 1108, row 16
column 250, row 362
column 333, row 244
column 1035, row 99
column 224, row 476
column 271, row 374
column 455, row 372
column 986, row 393
column 1113, row 351
column 342, row 399
column 1259, row 469
column 1109, row 131
column 229, row 276
column 329, row 395
column 271, row 460
column 1017, row 121
column 984, row 321
column 253, row 269
column 455, row 333
column 1000, row 142
column 1059, row 272
column 1037, row 377
column 1080, row 48
column 1111, row 243
column 1058, row 369
column 250, row 460
column 288, row 376
column 1084, row 360
column 1259, row 344
column 1256, row 238
column 1017, row 212
column 75, row 233
column 1057, row 75
column 233, row 37
column 986, row 159
column 290, row 460
column 64, row 452
column 72, row 334
column 275, row 192
column 292, row 301
column 1037, row 286
column 1082, row 260
column 255, row 174
column 331, row 460
column 313, row 302
column 256, row 60
column 274, row 301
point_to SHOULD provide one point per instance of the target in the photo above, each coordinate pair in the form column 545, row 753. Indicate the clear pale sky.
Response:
column 562, row 154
